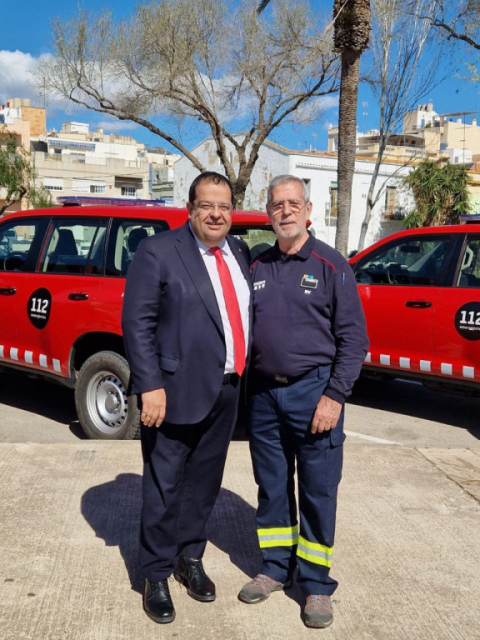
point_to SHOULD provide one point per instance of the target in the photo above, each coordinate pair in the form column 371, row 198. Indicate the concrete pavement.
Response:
column 407, row 549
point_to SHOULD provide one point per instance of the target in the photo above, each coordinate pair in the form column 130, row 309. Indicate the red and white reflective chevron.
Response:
column 39, row 360
column 422, row 366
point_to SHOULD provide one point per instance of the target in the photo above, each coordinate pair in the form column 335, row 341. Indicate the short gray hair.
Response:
column 288, row 178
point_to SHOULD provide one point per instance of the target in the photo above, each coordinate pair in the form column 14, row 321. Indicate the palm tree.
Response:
column 352, row 21
column 441, row 194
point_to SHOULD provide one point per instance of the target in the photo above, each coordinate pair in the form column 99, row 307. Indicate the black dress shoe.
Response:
column 157, row 602
column 191, row 573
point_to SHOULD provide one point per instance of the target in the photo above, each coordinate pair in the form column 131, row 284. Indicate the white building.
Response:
column 319, row 170
column 161, row 172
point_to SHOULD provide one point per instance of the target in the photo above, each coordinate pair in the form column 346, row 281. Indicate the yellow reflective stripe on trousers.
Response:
column 278, row 537
column 314, row 552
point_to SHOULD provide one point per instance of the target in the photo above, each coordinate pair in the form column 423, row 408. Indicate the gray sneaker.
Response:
column 318, row 612
column 258, row 589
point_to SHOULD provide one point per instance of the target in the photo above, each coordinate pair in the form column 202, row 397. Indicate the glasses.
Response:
column 279, row 206
column 210, row 207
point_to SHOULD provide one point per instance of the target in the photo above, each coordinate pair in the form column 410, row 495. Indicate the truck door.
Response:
column 56, row 300
column 20, row 242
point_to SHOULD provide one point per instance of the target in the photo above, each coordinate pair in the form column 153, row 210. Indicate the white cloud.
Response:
column 115, row 125
column 328, row 102
column 246, row 101
column 314, row 109
column 16, row 80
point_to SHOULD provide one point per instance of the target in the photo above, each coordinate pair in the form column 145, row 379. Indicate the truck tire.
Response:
column 104, row 410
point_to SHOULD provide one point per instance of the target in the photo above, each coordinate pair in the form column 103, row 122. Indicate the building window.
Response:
column 97, row 188
column 129, row 192
column 80, row 186
column 333, row 199
column 53, row 184
column 88, row 186
column 390, row 202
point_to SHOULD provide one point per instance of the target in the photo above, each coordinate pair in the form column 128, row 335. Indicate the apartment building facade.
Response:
column 20, row 119
column 426, row 134
column 78, row 163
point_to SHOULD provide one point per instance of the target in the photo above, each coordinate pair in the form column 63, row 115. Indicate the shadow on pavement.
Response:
column 113, row 511
column 415, row 400
column 54, row 401
column 77, row 430
column 232, row 528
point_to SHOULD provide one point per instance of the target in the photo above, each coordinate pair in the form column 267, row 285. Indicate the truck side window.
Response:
column 410, row 261
column 125, row 236
column 16, row 242
column 469, row 273
column 75, row 247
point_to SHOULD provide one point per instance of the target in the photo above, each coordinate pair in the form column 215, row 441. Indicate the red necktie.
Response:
column 233, row 310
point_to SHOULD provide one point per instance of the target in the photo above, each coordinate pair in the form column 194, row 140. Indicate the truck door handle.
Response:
column 7, row 291
column 418, row 304
column 78, row 296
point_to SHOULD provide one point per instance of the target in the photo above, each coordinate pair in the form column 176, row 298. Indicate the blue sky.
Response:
column 27, row 38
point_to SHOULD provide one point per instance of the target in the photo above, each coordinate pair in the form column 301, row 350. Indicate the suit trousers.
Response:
column 182, row 475
column 280, row 440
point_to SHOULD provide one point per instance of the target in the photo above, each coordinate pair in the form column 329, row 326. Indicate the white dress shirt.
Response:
column 241, row 288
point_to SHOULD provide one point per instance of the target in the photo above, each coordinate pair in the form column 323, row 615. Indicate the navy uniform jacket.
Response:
column 172, row 326
column 307, row 312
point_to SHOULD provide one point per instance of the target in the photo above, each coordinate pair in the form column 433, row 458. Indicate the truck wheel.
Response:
column 104, row 410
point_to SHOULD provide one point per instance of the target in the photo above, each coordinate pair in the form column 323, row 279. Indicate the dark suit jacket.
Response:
column 172, row 326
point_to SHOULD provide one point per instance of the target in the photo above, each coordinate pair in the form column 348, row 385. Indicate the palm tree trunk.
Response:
column 347, row 141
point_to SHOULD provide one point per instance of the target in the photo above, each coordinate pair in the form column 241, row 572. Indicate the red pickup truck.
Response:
column 62, row 276
column 420, row 291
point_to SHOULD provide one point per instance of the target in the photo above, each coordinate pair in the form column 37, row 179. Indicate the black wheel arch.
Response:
column 91, row 343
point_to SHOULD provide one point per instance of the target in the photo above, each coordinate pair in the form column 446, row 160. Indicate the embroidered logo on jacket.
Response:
column 260, row 284
column 309, row 282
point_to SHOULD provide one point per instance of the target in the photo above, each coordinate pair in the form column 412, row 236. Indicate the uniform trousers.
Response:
column 182, row 474
column 280, row 439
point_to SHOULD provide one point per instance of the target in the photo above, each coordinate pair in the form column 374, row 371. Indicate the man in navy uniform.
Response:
column 186, row 332
column 309, row 343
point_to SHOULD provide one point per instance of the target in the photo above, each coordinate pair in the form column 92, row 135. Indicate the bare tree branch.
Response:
column 454, row 34
column 180, row 58
column 401, row 74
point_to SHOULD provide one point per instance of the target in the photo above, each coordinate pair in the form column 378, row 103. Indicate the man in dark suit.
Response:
column 186, row 325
